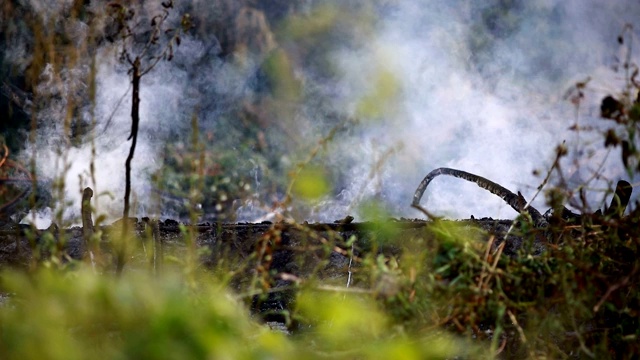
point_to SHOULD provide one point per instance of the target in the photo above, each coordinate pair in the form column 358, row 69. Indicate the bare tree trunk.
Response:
column 135, row 120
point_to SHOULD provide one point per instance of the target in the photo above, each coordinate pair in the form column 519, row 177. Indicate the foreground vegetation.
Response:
column 79, row 315
column 449, row 292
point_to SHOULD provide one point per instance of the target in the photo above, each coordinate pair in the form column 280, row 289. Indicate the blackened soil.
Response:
column 241, row 240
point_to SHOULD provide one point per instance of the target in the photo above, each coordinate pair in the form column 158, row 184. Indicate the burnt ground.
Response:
column 241, row 239
column 277, row 253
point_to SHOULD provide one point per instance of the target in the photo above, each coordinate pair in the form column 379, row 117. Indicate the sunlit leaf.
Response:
column 380, row 99
column 311, row 183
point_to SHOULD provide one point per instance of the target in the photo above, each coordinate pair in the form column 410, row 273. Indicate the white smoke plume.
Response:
column 498, row 111
column 478, row 87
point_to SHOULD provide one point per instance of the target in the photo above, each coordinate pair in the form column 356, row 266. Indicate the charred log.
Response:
column 517, row 202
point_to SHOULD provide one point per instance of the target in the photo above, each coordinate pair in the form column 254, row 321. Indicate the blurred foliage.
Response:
column 79, row 315
column 380, row 101
column 348, row 326
column 311, row 184
column 623, row 108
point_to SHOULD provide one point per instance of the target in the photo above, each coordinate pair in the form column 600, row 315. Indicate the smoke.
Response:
column 477, row 87
column 483, row 90
column 90, row 148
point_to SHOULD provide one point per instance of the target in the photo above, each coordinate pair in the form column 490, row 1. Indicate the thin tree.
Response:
column 142, row 46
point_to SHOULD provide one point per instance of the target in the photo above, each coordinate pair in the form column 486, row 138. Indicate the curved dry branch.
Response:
column 517, row 202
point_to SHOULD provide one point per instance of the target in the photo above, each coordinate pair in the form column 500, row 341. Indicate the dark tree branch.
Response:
column 517, row 202
column 135, row 120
